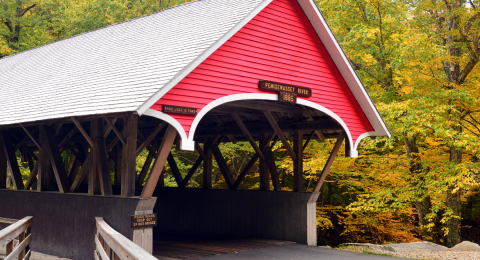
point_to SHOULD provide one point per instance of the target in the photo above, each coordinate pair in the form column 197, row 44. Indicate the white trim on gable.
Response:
column 189, row 144
column 164, row 90
column 340, row 59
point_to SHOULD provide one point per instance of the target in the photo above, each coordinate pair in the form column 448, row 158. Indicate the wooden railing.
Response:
column 111, row 245
column 20, row 229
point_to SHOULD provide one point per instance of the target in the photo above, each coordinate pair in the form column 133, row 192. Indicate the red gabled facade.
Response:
column 278, row 45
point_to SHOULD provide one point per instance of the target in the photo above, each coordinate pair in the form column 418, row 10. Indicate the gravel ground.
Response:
column 434, row 255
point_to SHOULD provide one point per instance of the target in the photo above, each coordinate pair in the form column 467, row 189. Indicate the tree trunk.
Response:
column 453, row 203
column 423, row 203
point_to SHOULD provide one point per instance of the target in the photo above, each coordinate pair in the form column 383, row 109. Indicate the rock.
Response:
column 424, row 246
column 466, row 246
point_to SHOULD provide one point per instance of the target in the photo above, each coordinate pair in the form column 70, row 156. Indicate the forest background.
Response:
column 418, row 60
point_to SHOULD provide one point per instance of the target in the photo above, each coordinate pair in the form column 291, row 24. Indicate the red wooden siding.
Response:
column 278, row 45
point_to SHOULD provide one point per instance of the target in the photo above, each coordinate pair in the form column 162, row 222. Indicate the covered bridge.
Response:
column 190, row 77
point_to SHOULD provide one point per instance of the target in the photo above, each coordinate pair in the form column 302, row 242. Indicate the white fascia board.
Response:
column 341, row 61
column 182, row 74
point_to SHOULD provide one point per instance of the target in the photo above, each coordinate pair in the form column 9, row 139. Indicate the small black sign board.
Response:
column 180, row 110
column 279, row 87
column 287, row 97
column 143, row 221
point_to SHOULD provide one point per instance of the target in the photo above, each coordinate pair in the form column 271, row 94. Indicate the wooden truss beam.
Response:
column 298, row 161
column 12, row 160
column 174, row 167
column 247, row 134
column 100, row 157
column 115, row 130
column 108, row 127
column 222, row 164
column 159, row 163
column 150, row 137
column 280, row 134
column 146, row 166
column 252, row 161
column 329, row 163
column 82, row 174
column 31, row 136
column 56, row 160
column 319, row 133
column 25, row 139
column 255, row 128
column 203, row 156
column 84, row 133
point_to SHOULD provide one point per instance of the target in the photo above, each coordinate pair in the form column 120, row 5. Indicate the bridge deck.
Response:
column 190, row 248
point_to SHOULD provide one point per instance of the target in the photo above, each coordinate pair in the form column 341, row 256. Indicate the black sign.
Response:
column 279, row 87
column 287, row 97
column 180, row 110
column 142, row 221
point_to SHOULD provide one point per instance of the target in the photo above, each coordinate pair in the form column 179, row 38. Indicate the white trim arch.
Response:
column 188, row 144
column 184, row 143
column 364, row 135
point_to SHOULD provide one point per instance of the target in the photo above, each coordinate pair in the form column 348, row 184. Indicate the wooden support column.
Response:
column 101, row 159
column 207, row 169
column 298, row 161
column 129, row 155
column 264, row 178
column 93, row 189
column 143, row 237
column 3, row 166
column 12, row 160
column 118, row 164
column 43, row 163
column 329, row 163
column 159, row 163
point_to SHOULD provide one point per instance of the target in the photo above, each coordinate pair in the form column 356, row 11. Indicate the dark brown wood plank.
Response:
column 25, row 139
column 329, row 163
column 55, row 159
column 3, row 166
column 129, row 155
column 308, row 140
column 93, row 188
column 280, row 134
column 222, row 164
column 207, row 169
column 198, row 162
column 159, row 163
column 103, row 168
column 33, row 176
column 12, row 160
column 298, row 162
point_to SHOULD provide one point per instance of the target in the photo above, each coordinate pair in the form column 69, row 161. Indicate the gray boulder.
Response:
column 466, row 246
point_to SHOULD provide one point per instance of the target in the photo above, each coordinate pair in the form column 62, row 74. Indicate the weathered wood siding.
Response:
column 278, row 45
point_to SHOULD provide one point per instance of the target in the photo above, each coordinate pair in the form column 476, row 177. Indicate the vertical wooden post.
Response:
column 144, row 236
column 129, row 155
column 9, row 248
column 21, row 237
column 207, row 169
column 12, row 161
column 92, row 174
column 3, row 166
column 118, row 164
column 264, row 177
column 101, row 159
column 298, row 162
column 43, row 179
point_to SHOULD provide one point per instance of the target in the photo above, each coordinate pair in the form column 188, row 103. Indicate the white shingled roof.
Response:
column 117, row 68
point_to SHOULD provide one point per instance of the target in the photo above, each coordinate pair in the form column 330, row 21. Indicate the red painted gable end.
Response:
column 278, row 45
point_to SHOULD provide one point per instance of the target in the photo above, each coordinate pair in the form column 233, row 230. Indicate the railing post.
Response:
column 20, row 240
column 9, row 248
column 144, row 236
